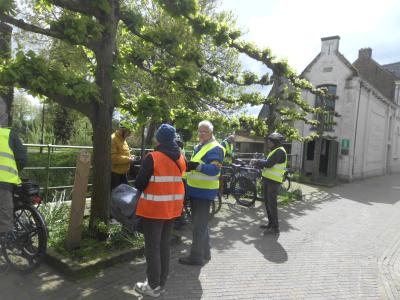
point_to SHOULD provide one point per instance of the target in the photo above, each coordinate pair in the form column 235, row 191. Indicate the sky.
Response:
column 293, row 29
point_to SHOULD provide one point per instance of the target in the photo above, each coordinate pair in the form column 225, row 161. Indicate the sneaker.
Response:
column 161, row 289
column 265, row 226
column 145, row 289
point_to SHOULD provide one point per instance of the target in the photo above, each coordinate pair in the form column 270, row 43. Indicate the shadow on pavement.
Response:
column 272, row 250
column 237, row 223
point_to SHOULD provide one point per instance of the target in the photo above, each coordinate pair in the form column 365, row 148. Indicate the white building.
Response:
column 367, row 133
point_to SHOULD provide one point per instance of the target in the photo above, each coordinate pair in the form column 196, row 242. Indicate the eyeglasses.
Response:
column 203, row 131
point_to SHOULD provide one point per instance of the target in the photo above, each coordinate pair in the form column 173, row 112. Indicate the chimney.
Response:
column 365, row 53
column 330, row 44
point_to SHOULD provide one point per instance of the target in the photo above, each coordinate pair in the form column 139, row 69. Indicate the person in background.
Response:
column 12, row 160
column 273, row 170
column 161, row 201
column 121, row 158
column 202, row 187
column 180, row 221
column 228, row 145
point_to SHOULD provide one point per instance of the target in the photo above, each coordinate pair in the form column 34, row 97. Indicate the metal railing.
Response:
column 50, row 150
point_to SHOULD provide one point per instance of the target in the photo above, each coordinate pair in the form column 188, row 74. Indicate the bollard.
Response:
column 78, row 200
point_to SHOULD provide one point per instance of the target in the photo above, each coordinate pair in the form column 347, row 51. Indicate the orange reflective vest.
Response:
column 163, row 196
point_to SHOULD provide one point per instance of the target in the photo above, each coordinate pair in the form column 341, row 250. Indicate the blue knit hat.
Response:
column 165, row 133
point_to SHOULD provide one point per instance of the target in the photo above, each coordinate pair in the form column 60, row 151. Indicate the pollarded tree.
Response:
column 93, row 25
column 162, row 52
column 285, row 103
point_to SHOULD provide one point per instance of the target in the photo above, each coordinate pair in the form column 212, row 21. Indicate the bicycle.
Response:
column 244, row 185
column 240, row 180
column 286, row 183
column 24, row 248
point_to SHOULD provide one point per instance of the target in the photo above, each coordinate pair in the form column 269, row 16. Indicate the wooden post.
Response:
column 78, row 200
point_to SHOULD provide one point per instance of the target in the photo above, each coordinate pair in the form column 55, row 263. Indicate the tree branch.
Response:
column 78, row 6
column 86, row 108
column 47, row 32
column 31, row 28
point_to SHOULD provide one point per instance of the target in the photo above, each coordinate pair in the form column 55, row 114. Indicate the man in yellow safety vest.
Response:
column 273, row 171
column 228, row 144
column 203, row 172
column 12, row 159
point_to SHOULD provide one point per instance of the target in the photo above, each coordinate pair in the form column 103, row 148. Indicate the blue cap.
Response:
column 165, row 133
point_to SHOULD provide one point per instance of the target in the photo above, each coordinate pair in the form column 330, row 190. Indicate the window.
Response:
column 329, row 104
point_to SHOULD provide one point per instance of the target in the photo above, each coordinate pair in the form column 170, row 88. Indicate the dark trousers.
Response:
column 201, row 237
column 6, row 211
column 117, row 179
column 271, row 190
column 157, row 242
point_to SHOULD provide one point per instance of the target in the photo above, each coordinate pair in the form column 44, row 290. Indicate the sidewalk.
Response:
column 337, row 243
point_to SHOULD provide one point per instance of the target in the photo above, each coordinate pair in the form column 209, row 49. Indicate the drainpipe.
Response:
column 355, row 131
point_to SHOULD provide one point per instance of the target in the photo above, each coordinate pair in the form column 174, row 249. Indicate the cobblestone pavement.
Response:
column 337, row 243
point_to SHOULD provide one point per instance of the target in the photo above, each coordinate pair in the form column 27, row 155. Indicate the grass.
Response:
column 284, row 197
column 56, row 215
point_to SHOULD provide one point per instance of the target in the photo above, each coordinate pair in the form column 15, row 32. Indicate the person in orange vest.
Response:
column 161, row 201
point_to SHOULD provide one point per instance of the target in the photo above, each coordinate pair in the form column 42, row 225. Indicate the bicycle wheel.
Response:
column 244, row 191
column 26, row 246
column 217, row 203
column 285, row 186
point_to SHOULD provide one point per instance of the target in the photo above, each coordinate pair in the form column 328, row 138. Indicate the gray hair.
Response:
column 207, row 124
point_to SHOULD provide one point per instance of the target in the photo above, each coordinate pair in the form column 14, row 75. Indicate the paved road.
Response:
column 338, row 243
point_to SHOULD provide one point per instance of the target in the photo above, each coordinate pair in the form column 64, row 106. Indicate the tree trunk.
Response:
column 142, row 143
column 150, row 132
column 102, row 124
column 6, row 94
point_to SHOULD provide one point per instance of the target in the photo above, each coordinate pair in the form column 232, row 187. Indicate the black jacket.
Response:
column 20, row 156
column 172, row 150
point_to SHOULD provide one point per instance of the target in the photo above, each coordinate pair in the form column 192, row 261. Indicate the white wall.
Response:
column 374, row 147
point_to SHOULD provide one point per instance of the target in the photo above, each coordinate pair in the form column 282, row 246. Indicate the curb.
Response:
column 75, row 270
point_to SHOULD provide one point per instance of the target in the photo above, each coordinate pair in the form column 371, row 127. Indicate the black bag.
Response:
column 124, row 200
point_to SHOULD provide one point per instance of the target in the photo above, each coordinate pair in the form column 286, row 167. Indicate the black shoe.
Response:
column 265, row 226
column 207, row 256
column 271, row 231
column 190, row 261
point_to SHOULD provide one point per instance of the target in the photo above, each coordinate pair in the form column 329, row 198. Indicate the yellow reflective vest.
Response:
column 8, row 166
column 278, row 170
column 228, row 152
column 198, row 179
